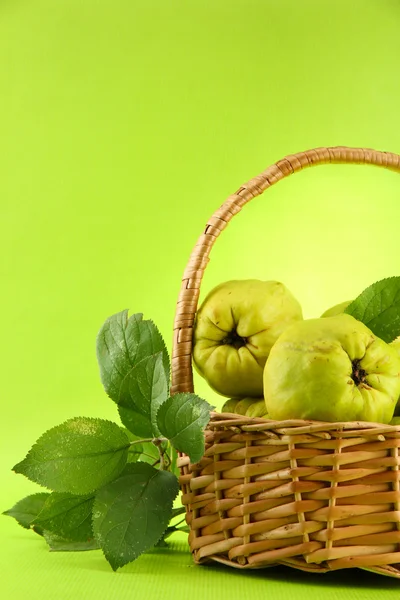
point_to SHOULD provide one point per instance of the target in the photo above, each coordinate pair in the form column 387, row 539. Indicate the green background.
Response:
column 123, row 126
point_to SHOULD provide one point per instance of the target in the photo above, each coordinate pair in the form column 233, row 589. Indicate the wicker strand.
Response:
column 396, row 485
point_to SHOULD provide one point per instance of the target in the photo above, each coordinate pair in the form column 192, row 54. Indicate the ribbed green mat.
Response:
column 28, row 570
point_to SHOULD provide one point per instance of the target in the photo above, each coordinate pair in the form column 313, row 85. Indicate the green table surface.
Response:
column 167, row 574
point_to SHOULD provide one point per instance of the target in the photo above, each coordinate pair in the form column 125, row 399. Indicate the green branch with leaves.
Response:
column 113, row 487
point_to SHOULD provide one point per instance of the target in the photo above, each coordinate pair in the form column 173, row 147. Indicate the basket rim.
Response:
column 297, row 426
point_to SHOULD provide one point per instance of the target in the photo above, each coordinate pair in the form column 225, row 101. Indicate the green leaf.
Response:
column 78, row 456
column 135, row 450
column 142, row 392
column 57, row 543
column 180, row 510
column 150, row 453
column 135, row 453
column 168, row 532
column 131, row 513
column 171, row 529
column 174, row 457
column 121, row 344
column 116, row 349
column 162, row 543
column 27, row 509
column 145, row 451
column 184, row 529
column 67, row 516
column 378, row 307
column 182, row 419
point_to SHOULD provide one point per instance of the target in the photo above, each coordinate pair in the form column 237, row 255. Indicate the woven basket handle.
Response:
column 182, row 374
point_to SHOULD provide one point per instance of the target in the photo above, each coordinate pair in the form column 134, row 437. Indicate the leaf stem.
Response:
column 156, row 441
column 149, row 456
column 162, row 462
column 159, row 440
column 165, row 460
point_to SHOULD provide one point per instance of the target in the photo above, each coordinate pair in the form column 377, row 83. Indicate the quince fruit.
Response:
column 234, row 331
column 338, row 309
column 238, row 405
column 249, row 407
column 230, row 405
column 396, row 345
column 332, row 369
column 257, row 409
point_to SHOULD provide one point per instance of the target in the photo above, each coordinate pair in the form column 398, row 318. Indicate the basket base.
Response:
column 388, row 570
column 299, row 564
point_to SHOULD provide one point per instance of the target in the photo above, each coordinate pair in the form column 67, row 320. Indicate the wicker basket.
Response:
column 311, row 495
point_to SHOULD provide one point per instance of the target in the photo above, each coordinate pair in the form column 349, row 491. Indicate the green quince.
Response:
column 257, row 409
column 230, row 405
column 338, row 309
column 332, row 369
column 396, row 345
column 234, row 331
column 238, row 405
column 243, row 405
column 249, row 407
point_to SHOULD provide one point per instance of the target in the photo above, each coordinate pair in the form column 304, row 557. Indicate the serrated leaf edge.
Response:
column 96, row 419
column 353, row 305
column 150, row 547
column 82, row 499
column 6, row 513
column 190, row 396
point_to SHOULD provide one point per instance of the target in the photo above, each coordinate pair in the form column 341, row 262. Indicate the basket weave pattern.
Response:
column 314, row 496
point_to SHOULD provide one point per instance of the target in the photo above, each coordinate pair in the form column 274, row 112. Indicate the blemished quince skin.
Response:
column 338, row 309
column 396, row 345
column 234, row 331
column 249, row 407
column 332, row 369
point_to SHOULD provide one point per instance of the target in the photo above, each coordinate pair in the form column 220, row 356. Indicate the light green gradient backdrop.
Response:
column 124, row 125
